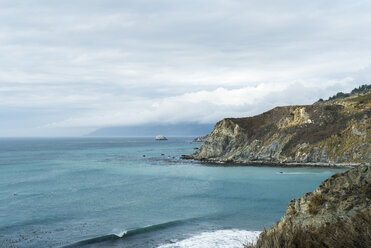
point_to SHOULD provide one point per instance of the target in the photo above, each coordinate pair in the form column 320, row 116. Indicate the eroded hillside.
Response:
column 332, row 132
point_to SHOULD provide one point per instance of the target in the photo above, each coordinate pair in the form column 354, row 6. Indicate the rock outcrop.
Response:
column 333, row 132
column 201, row 138
column 336, row 214
column 160, row 137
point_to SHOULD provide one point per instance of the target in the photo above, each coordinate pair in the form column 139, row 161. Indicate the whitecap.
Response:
column 233, row 238
column 120, row 233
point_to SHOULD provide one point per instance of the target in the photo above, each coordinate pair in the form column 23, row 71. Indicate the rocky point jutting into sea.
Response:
column 333, row 132
column 336, row 214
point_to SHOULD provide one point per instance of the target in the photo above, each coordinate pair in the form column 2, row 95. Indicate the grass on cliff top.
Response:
column 361, row 99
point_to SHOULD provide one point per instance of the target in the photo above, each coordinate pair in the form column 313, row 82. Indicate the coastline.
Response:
column 310, row 221
column 216, row 199
column 217, row 162
column 332, row 135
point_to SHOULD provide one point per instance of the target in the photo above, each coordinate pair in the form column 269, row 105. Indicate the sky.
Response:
column 70, row 67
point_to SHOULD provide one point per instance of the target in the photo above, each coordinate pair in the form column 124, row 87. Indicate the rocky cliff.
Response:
column 332, row 132
column 201, row 138
column 336, row 214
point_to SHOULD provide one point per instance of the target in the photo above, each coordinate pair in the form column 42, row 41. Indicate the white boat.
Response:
column 161, row 137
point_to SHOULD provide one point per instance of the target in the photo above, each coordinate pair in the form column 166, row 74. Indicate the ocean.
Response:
column 136, row 192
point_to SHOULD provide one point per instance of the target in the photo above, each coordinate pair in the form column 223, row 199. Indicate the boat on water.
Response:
column 161, row 137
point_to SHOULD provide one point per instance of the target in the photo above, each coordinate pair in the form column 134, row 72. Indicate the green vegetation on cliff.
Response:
column 363, row 89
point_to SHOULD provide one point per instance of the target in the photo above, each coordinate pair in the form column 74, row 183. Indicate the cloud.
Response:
column 201, row 106
column 95, row 63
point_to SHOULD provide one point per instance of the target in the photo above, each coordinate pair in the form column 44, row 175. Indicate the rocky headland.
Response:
column 327, row 133
column 201, row 138
column 336, row 214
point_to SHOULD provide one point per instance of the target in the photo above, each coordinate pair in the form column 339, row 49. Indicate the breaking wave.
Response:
column 124, row 234
column 233, row 238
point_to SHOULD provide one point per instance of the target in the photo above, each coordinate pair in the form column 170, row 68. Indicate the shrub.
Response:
column 314, row 203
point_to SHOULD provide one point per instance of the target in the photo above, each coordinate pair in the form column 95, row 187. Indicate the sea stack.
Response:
column 161, row 137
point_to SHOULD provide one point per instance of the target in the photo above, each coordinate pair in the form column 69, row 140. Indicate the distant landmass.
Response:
column 168, row 130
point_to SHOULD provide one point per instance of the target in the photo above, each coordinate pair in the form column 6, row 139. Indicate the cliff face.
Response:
column 336, row 214
column 331, row 132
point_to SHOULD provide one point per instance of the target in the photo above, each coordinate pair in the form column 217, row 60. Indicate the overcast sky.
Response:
column 69, row 67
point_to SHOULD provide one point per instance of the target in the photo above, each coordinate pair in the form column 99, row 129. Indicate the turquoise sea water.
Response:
column 136, row 192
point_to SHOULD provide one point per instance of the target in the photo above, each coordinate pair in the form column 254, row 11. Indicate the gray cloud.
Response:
column 95, row 63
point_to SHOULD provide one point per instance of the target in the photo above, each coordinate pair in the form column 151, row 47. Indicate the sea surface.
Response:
column 136, row 192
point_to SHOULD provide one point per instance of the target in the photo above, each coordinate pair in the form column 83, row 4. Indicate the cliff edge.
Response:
column 325, row 133
column 336, row 214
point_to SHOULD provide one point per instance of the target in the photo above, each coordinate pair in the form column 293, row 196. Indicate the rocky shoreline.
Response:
column 269, row 164
column 336, row 214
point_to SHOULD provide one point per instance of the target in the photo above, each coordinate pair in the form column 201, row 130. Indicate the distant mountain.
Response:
column 182, row 129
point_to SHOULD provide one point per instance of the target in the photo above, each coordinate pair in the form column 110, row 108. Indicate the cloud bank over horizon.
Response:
column 69, row 67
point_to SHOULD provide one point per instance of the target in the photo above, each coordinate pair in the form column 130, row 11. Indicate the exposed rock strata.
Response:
column 336, row 214
column 336, row 132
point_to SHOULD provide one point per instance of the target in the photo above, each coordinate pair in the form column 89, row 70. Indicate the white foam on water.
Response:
column 120, row 233
column 233, row 238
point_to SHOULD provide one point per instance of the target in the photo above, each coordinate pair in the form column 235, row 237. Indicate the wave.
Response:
column 121, row 234
column 232, row 238
column 125, row 234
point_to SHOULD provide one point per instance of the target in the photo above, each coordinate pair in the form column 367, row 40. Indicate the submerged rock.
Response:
column 336, row 214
